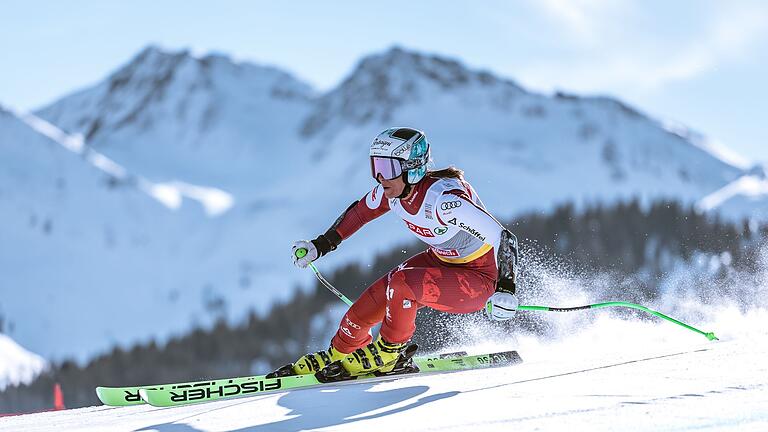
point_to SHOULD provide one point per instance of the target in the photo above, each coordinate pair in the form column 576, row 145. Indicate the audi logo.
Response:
column 450, row 205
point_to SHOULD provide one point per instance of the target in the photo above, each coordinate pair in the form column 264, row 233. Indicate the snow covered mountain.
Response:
column 90, row 248
column 211, row 121
column 520, row 149
column 174, row 188
column 17, row 365
column 68, row 230
column 175, row 115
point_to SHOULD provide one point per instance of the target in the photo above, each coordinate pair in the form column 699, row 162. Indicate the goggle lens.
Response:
column 388, row 168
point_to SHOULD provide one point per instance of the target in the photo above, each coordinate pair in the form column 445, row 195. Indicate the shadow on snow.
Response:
column 319, row 408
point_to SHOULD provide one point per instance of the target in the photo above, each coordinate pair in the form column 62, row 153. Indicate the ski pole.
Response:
column 301, row 253
column 709, row 335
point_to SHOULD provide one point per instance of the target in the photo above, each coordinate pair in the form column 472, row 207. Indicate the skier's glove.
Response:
column 311, row 255
column 321, row 246
column 501, row 306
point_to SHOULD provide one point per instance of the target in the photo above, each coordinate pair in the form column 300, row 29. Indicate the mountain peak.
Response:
column 158, row 83
column 446, row 72
column 154, row 51
column 152, row 66
column 382, row 82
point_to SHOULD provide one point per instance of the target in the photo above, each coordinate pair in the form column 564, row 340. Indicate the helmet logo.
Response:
column 402, row 149
column 441, row 230
column 381, row 144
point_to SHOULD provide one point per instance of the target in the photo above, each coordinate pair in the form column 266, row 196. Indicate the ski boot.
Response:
column 379, row 358
column 309, row 363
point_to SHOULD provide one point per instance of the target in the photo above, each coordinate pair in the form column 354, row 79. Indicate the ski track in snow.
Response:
column 615, row 375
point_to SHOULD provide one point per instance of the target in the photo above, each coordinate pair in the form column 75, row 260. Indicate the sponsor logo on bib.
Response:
column 446, row 252
column 472, row 231
column 424, row 232
column 450, row 205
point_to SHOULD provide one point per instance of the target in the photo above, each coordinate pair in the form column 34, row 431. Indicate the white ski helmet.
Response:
column 400, row 150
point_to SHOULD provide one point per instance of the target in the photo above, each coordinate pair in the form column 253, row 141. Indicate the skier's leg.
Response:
column 454, row 289
column 420, row 281
column 400, row 311
column 366, row 312
column 354, row 335
column 353, row 332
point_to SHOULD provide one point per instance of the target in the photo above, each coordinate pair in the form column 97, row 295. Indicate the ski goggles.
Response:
column 389, row 168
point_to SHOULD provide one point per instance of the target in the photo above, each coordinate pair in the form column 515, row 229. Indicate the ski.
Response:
column 210, row 390
column 236, row 387
column 126, row 396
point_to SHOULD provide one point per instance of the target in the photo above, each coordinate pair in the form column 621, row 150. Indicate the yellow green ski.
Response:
column 204, row 391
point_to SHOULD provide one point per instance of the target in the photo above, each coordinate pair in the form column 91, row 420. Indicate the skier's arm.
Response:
column 457, row 208
column 354, row 217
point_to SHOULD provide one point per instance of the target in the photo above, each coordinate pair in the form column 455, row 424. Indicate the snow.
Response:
column 613, row 374
column 215, row 201
column 745, row 196
column 17, row 365
column 715, row 148
column 750, row 186
column 99, row 232
column 74, row 143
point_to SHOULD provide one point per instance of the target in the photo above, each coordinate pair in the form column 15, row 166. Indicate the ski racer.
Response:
column 471, row 262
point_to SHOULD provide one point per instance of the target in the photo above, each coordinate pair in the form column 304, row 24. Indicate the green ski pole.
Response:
column 709, row 335
column 301, row 253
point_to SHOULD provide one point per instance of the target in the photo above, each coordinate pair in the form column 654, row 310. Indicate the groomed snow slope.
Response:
column 612, row 375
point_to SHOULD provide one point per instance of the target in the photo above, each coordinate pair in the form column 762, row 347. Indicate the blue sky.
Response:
column 696, row 62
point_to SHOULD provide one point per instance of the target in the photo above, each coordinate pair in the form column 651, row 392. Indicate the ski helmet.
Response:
column 396, row 151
